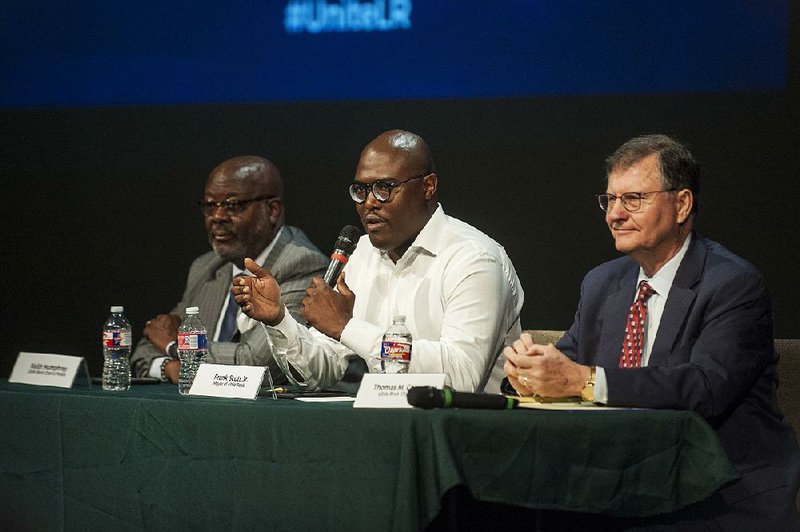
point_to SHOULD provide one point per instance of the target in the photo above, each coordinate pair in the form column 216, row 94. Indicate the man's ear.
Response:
column 685, row 204
column 431, row 184
column 275, row 210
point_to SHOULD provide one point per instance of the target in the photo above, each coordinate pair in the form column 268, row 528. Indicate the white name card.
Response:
column 221, row 380
column 45, row 369
column 389, row 391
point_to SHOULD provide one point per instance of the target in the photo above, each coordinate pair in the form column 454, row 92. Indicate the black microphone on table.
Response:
column 345, row 244
column 430, row 397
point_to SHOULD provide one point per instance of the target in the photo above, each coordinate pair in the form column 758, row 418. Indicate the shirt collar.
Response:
column 430, row 238
column 261, row 257
column 662, row 280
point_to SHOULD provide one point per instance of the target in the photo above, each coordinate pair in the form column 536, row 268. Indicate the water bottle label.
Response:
column 396, row 350
column 116, row 339
column 191, row 341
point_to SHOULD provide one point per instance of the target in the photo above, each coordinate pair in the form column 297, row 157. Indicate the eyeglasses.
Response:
column 230, row 207
column 382, row 190
column 631, row 201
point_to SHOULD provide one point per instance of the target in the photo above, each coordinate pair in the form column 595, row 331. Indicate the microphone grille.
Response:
column 424, row 397
column 348, row 238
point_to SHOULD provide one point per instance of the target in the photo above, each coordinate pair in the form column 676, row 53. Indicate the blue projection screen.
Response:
column 124, row 52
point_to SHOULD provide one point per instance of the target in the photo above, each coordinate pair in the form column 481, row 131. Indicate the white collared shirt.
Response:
column 661, row 282
column 458, row 291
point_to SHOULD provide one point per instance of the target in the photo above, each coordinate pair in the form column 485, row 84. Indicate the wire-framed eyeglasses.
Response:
column 231, row 207
column 631, row 201
column 382, row 190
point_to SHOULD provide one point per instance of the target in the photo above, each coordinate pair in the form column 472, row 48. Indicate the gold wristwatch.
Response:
column 587, row 392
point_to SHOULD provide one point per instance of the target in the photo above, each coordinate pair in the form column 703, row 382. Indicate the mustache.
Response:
column 221, row 227
column 370, row 216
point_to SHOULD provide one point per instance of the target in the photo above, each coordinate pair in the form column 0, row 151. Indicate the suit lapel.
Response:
column 274, row 254
column 616, row 309
column 679, row 302
column 216, row 291
column 256, row 337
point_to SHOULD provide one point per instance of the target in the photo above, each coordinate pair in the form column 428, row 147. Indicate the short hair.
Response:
column 676, row 164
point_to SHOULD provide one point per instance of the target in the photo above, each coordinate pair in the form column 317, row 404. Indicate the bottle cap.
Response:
column 192, row 310
column 117, row 309
column 399, row 317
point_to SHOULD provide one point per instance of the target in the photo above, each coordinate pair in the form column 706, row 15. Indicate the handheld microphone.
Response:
column 430, row 397
column 345, row 244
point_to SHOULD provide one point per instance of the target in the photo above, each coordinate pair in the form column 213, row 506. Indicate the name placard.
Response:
column 45, row 369
column 389, row 391
column 221, row 380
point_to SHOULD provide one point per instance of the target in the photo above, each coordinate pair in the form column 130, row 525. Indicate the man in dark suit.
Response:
column 244, row 217
column 680, row 322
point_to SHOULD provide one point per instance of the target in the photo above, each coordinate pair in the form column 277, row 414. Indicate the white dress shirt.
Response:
column 661, row 283
column 458, row 291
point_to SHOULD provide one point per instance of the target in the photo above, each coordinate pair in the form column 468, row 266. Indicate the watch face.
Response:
column 172, row 349
column 587, row 392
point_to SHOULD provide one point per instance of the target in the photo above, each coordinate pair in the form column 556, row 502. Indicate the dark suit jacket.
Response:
column 713, row 354
column 293, row 260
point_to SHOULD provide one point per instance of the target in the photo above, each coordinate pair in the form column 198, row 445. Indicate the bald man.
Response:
column 244, row 217
column 456, row 286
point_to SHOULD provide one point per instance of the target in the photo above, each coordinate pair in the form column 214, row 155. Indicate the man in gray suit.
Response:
column 244, row 217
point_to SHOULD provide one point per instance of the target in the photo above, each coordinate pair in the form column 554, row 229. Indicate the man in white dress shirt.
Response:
column 456, row 286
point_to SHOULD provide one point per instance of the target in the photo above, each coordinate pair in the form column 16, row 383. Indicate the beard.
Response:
column 242, row 242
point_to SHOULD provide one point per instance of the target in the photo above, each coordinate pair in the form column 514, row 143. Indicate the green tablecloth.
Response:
column 152, row 459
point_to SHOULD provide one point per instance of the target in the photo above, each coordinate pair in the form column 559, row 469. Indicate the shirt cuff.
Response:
column 600, row 386
column 287, row 326
column 155, row 368
column 279, row 337
column 362, row 338
column 244, row 323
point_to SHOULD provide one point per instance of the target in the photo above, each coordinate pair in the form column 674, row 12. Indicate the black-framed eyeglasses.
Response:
column 631, row 201
column 231, row 207
column 382, row 190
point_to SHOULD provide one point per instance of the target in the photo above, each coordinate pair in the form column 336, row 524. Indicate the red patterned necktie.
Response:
column 633, row 344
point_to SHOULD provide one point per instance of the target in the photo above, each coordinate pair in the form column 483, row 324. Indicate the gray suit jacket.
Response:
column 293, row 261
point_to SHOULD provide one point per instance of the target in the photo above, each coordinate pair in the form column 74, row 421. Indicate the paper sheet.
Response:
column 566, row 404
column 334, row 399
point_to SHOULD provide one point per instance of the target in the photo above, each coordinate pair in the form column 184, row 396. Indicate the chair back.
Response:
column 788, row 350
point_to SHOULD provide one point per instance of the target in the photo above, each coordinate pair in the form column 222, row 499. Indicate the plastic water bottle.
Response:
column 117, row 351
column 192, row 348
column 396, row 347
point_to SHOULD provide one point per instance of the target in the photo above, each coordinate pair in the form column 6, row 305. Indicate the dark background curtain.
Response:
column 99, row 209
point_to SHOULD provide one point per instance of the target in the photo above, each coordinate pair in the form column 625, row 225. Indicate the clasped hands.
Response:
column 542, row 370
column 325, row 309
